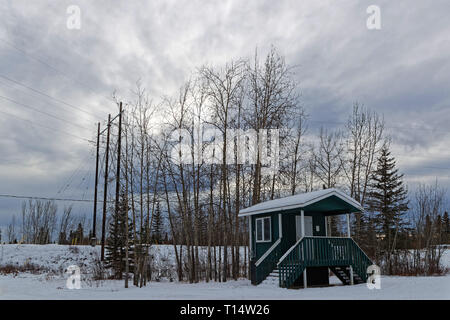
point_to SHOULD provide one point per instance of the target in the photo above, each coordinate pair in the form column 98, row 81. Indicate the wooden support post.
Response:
column 326, row 235
column 349, row 236
column 351, row 276
column 302, row 217
column 251, row 262
column 118, row 161
column 250, row 238
column 94, row 218
column 116, row 208
column 280, row 226
column 105, row 190
column 348, row 226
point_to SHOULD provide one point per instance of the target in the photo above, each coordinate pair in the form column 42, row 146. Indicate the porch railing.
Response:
column 318, row 252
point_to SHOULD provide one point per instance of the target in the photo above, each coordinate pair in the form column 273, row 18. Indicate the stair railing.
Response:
column 321, row 251
column 360, row 261
column 268, row 261
column 291, row 264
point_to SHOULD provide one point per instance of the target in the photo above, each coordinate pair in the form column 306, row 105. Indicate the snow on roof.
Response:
column 298, row 201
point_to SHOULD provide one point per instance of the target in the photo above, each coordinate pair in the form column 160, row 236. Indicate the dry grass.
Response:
column 27, row 267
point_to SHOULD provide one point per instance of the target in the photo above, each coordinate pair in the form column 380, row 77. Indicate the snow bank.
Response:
column 56, row 258
column 53, row 257
column 445, row 259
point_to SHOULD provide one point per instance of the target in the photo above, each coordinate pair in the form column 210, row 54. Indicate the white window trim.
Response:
column 256, row 230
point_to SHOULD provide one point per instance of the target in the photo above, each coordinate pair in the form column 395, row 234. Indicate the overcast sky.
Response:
column 401, row 71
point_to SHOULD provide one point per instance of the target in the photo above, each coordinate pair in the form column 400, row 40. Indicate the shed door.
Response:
column 308, row 227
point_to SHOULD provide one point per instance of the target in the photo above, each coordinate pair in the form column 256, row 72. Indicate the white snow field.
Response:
column 52, row 283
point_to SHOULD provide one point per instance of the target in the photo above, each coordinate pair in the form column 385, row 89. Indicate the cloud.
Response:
column 401, row 71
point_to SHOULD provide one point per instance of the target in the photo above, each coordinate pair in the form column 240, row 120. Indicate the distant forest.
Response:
column 191, row 204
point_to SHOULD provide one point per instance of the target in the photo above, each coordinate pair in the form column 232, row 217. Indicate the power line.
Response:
column 43, row 112
column 387, row 127
column 49, row 128
column 50, row 66
column 441, row 168
column 48, row 96
column 69, row 181
column 110, row 121
column 46, row 198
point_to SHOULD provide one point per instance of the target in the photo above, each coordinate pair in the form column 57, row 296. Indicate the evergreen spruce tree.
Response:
column 145, row 233
column 438, row 229
column 368, row 236
column 202, row 226
column 62, row 238
column 428, row 232
column 157, row 227
column 388, row 201
column 445, row 228
column 79, row 234
column 116, row 242
column 71, row 236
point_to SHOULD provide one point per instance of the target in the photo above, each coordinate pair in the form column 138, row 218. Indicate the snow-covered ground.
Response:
column 37, row 287
column 56, row 258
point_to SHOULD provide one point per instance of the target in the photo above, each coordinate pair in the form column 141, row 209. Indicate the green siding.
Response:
column 288, row 223
column 319, row 220
column 288, row 230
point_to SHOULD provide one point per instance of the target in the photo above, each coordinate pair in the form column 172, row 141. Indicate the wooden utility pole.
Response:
column 119, row 138
column 105, row 192
column 127, row 263
column 118, row 193
column 94, row 219
column 118, row 161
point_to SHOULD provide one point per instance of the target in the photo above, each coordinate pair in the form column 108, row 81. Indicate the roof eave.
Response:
column 335, row 192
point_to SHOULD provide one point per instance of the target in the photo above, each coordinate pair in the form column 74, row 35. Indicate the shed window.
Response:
column 263, row 230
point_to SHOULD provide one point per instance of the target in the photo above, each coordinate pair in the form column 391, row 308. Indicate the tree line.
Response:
column 40, row 223
column 193, row 191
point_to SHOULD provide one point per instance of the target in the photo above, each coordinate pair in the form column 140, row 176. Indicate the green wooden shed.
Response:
column 289, row 243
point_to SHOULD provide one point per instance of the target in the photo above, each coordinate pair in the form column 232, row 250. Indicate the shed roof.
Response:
column 327, row 201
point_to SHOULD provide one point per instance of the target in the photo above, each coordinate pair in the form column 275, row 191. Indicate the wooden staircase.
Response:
column 336, row 253
column 343, row 274
column 273, row 279
column 286, row 266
